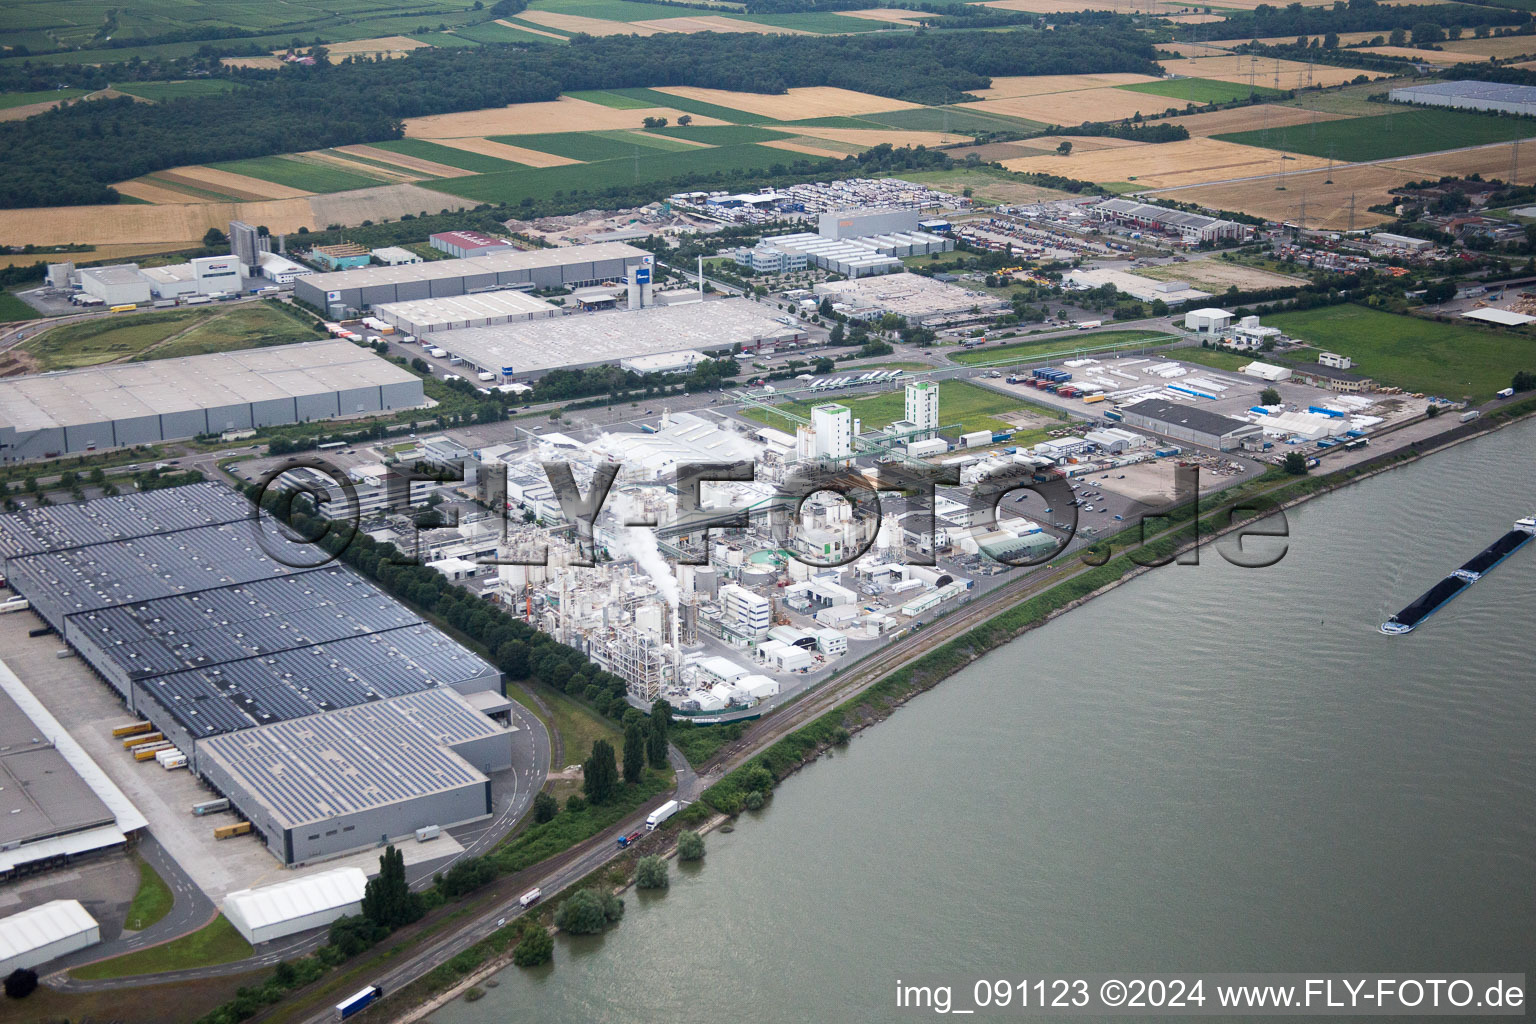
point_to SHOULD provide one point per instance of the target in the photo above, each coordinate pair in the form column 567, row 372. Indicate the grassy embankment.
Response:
column 167, row 333
column 217, row 943
column 1027, row 351
column 153, row 900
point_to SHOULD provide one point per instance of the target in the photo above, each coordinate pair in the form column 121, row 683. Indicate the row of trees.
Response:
column 1355, row 16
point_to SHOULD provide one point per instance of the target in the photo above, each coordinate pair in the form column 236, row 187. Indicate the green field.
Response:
column 650, row 165
column 836, row 121
column 162, row 91
column 153, row 900
column 12, row 309
column 721, row 134
column 218, row 943
column 972, row 407
column 176, row 332
column 649, row 139
column 1400, row 131
column 297, row 173
column 1199, row 90
column 490, row 32
column 652, row 98
column 460, row 158
column 1219, row 358
column 1037, row 350
column 950, row 119
column 21, row 99
column 584, row 146
column 604, row 98
column 819, row 22
column 1447, row 360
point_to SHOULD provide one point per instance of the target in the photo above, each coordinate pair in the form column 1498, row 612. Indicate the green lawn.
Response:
column 22, row 99
column 1398, row 132
column 1447, row 360
column 218, row 943
column 1039, row 350
column 460, row 158
column 12, row 309
column 153, row 900
column 161, row 91
column 296, row 173
column 972, row 407
column 208, row 329
column 1199, row 90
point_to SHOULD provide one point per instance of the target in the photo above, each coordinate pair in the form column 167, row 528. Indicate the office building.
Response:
column 922, row 408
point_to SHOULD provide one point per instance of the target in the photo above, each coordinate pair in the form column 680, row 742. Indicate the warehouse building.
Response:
column 464, row 244
column 1190, row 228
column 566, row 267
column 394, row 256
column 34, row 937
column 1143, row 289
column 459, row 312
column 142, row 403
column 1334, row 379
column 332, row 783
column 296, row 905
column 341, row 256
column 534, row 347
column 1495, row 96
column 1186, row 423
column 920, row 300
column 856, row 223
column 117, row 285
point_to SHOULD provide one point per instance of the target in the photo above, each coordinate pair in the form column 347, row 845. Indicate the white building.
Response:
column 116, row 285
column 1209, row 320
column 279, row 269
column 36, row 936
column 296, row 905
column 747, row 611
column 922, row 409
column 394, row 256
column 833, row 425
column 1267, row 371
column 1250, row 334
column 171, row 280
column 1335, row 360
column 217, row 274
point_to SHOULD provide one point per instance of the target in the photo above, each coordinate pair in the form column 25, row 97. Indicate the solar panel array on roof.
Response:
column 138, row 514
column 329, row 766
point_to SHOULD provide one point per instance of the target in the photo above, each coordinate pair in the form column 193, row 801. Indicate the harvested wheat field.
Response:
column 1008, row 87
column 1502, row 47
column 1069, row 108
column 385, row 202
column 1235, row 68
column 1421, row 56
column 1489, row 161
column 211, row 193
column 102, row 253
column 1219, row 275
column 868, row 138
column 814, row 147
column 1248, row 119
column 794, row 105
column 888, row 14
column 27, row 110
column 361, row 168
column 715, row 23
column 502, row 151
column 1162, row 165
column 152, row 192
column 1197, row 49
column 383, row 46
column 262, row 63
column 231, row 184
column 528, row 28
column 581, row 23
column 406, row 163
column 1327, row 205
column 1193, row 19
column 565, row 114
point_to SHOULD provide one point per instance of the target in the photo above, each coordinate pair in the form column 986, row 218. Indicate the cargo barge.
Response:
column 1437, row 596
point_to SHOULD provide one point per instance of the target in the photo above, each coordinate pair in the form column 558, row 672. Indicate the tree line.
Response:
column 1354, row 16
column 71, row 155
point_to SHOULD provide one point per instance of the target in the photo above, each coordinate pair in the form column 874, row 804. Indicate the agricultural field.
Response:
column 1106, row 103
column 1449, row 360
column 8, row 100
column 159, row 92
column 1398, row 131
column 973, row 407
column 562, row 115
column 1277, row 74
column 13, row 309
column 988, row 185
column 309, row 175
column 1024, row 351
column 1163, row 165
column 816, row 101
column 428, row 157
column 165, row 333
column 1263, row 117
column 1200, row 90
column 1217, row 275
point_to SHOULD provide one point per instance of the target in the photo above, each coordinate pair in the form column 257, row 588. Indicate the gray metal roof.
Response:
column 1192, row 417
column 138, row 514
column 40, row 794
column 1158, row 214
column 1473, row 90
column 325, row 766
column 490, row 263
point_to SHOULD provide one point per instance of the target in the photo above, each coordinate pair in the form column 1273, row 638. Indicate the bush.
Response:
column 588, row 912
column 754, row 801
column 545, row 807
column 536, row 946
column 20, row 983
column 651, row 873
column 575, row 802
column 690, row 846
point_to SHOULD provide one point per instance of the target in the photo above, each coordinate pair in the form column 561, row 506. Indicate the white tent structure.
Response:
column 297, row 905
column 35, row 936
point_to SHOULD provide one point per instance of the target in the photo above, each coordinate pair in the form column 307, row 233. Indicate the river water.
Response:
column 1208, row 769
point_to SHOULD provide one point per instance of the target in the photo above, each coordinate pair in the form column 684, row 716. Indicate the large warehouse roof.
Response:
column 138, row 514
column 326, row 766
column 491, row 263
column 42, row 926
column 421, row 316
column 1470, row 90
column 40, row 795
column 534, row 346
column 1192, row 417
column 121, row 391
column 252, row 910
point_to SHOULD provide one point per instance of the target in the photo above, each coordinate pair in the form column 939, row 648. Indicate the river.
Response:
column 1210, row 768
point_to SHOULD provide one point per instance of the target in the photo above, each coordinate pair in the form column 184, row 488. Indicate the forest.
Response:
column 71, row 155
column 1355, row 16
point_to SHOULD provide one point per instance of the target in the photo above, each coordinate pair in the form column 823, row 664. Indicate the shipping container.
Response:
column 211, row 806
column 125, row 307
column 347, row 1007
column 147, row 737
column 427, row 832
column 239, row 828
column 131, row 730
column 148, row 752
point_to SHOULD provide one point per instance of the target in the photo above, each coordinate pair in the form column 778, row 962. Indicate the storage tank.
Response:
column 758, row 576
column 706, row 580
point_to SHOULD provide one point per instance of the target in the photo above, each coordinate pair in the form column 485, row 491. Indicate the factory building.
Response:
column 215, row 274
column 296, row 905
column 1266, row 371
column 857, row 223
column 172, row 280
column 1494, row 96
column 343, row 256
column 246, row 244
column 770, row 259
column 464, row 244
column 1334, row 379
column 459, row 312
column 141, row 403
column 572, row 266
column 394, row 256
column 1190, row 228
column 345, row 780
column 917, row 299
column 33, row 937
column 119, row 285
column 1209, row 320
column 833, row 426
column 280, row 269
column 922, row 408
column 1185, row 423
